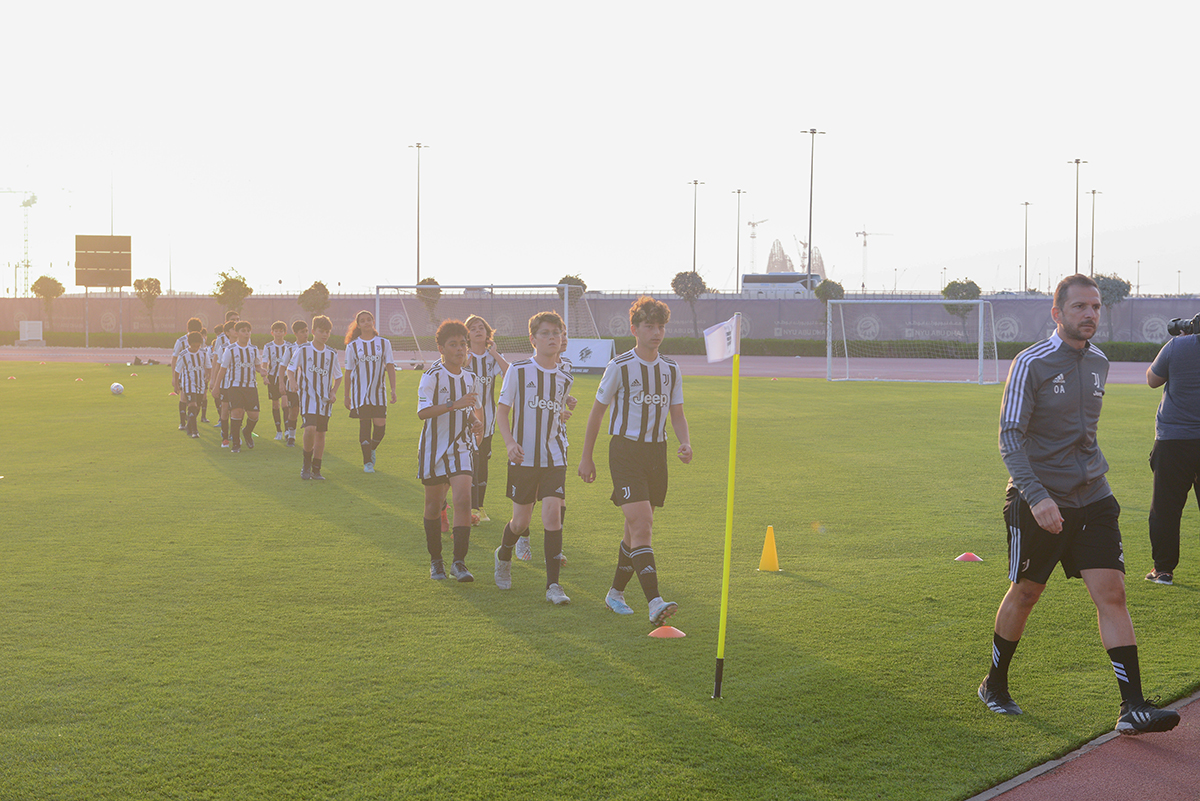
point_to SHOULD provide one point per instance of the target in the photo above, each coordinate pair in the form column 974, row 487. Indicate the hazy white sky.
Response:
column 272, row 139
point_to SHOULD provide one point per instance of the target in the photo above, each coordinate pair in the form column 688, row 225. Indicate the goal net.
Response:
column 911, row 340
column 410, row 315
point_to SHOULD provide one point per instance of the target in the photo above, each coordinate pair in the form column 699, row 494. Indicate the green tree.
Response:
column 430, row 293
column 1113, row 290
column 689, row 286
column 315, row 299
column 578, row 287
column 965, row 289
column 147, row 291
column 826, row 291
column 47, row 289
column 231, row 291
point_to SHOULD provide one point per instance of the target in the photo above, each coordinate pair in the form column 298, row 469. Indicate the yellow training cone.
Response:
column 770, row 559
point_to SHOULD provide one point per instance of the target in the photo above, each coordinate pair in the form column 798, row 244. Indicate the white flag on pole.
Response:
column 723, row 339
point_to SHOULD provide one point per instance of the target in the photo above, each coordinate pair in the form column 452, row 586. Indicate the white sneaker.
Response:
column 278, row 435
column 523, row 551
column 660, row 610
column 556, row 596
column 503, row 572
column 368, row 468
column 616, row 601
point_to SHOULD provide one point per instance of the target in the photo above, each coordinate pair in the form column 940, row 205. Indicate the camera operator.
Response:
column 1175, row 458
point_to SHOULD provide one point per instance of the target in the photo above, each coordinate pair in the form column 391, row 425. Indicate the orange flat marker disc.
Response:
column 967, row 557
column 667, row 633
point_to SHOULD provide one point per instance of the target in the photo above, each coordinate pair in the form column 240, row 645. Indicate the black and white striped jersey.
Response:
column 241, row 366
column 219, row 344
column 367, row 361
column 567, row 367
column 316, row 371
column 487, row 370
column 537, row 397
column 273, row 356
column 289, row 350
column 446, row 440
column 193, row 370
column 641, row 395
column 180, row 346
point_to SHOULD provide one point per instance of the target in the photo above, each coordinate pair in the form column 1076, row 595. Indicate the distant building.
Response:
column 780, row 285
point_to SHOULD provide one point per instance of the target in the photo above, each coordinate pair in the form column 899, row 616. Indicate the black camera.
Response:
column 1181, row 326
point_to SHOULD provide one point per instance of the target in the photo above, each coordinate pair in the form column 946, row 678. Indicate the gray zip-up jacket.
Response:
column 1048, row 421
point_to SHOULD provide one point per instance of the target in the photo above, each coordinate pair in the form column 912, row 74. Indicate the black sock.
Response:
column 1002, row 654
column 278, row 420
column 377, row 433
column 643, row 566
column 250, row 424
column 237, row 432
column 225, row 429
column 364, row 438
column 553, row 547
column 433, row 538
column 182, row 413
column 562, row 515
column 1129, row 673
column 624, row 569
column 507, row 542
column 191, row 422
column 204, row 406
column 462, row 541
column 308, row 460
column 316, row 465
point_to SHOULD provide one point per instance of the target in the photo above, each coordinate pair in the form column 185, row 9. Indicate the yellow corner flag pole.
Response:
column 720, row 340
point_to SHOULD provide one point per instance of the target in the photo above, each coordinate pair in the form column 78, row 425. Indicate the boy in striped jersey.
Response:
column 368, row 359
column 192, row 367
column 314, row 375
column 448, row 398
column 181, row 345
column 238, row 378
column 644, row 389
column 273, row 360
column 485, row 361
column 291, row 400
column 531, row 413
column 221, row 343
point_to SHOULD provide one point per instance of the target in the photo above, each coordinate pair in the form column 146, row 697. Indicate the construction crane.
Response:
column 864, row 234
column 753, row 236
column 26, row 204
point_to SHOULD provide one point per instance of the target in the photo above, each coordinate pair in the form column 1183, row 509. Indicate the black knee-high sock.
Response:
column 433, row 538
column 553, row 547
column 316, row 464
column 1002, row 654
column 191, row 421
column 236, row 425
column 508, row 541
column 624, row 569
column 462, row 541
column 562, row 515
column 1129, row 673
column 182, row 412
column 479, row 482
column 204, row 405
column 308, row 460
column 250, row 424
column 364, row 438
column 225, row 428
column 643, row 566
column 377, row 433
column 278, row 421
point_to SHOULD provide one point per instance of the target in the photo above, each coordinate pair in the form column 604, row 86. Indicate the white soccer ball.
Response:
column 117, row 389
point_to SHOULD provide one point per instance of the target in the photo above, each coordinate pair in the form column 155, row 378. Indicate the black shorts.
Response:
column 529, row 484
column 273, row 391
column 293, row 399
column 245, row 398
column 317, row 421
column 433, row 482
column 639, row 471
column 1090, row 539
column 189, row 398
column 370, row 412
column 484, row 451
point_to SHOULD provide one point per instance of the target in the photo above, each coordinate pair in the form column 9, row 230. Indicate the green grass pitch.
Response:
column 181, row 623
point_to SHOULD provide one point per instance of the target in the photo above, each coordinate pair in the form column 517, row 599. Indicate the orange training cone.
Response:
column 666, row 633
column 770, row 559
column 967, row 557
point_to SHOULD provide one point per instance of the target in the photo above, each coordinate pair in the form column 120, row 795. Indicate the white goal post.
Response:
column 876, row 339
column 409, row 315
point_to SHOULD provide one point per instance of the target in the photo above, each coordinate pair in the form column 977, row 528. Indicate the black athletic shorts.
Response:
column 433, row 482
column 370, row 412
column 639, row 471
column 1090, row 538
column 245, row 398
column 529, row 484
column 273, row 392
column 317, row 421
column 188, row 398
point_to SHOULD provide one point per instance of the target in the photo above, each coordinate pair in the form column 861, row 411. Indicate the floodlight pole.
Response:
column 695, row 194
column 813, row 132
column 1077, row 162
column 737, row 270
column 419, row 146
column 1026, row 288
column 1092, row 260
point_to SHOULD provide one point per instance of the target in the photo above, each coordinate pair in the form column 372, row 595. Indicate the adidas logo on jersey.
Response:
column 531, row 385
column 637, row 382
column 1060, row 379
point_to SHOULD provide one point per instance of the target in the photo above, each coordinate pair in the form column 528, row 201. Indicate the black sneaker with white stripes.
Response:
column 999, row 701
column 1144, row 716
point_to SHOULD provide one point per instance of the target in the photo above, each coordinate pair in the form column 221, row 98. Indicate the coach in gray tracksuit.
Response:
column 1059, row 507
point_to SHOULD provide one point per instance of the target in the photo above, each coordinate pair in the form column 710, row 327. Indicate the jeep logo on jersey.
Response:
column 372, row 357
column 542, row 403
column 650, row 399
column 321, row 371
